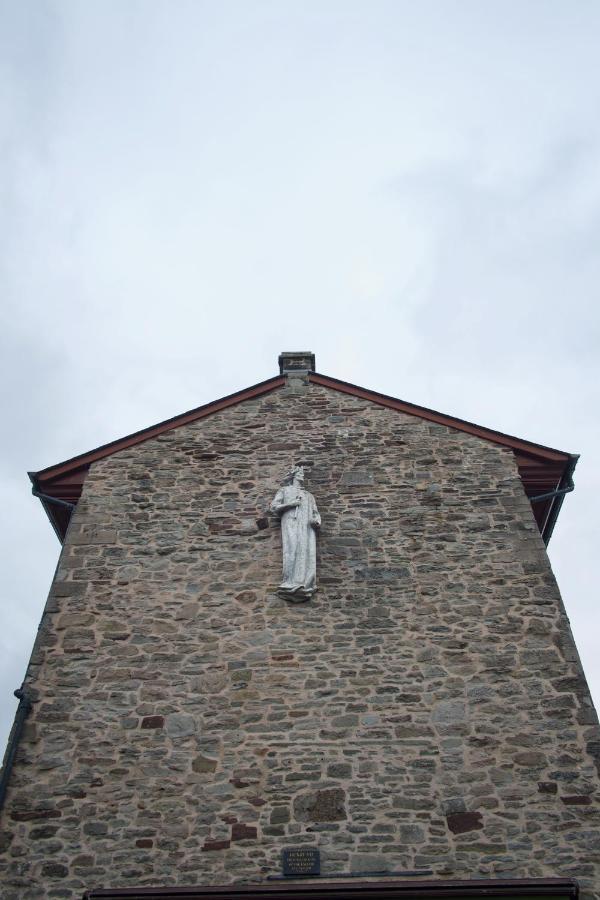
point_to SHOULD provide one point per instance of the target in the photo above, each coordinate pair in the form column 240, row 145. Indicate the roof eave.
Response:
column 560, row 499
column 66, row 478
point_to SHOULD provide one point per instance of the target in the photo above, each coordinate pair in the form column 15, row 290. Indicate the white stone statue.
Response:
column 300, row 520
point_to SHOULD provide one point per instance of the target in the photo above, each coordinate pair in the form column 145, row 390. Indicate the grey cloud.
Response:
column 410, row 190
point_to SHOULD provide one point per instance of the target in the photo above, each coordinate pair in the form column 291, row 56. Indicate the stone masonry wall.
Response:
column 425, row 710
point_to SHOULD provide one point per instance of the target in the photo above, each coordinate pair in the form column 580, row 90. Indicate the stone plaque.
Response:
column 301, row 861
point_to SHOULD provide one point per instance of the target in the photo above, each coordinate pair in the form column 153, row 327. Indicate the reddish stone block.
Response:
column 460, row 822
column 144, row 842
column 241, row 832
column 30, row 815
column 577, row 800
column 153, row 722
column 215, row 845
column 256, row 801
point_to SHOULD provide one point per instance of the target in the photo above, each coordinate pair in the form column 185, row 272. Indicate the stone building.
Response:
column 422, row 720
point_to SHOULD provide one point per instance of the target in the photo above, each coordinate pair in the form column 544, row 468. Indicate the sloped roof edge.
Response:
column 192, row 415
column 490, row 434
column 542, row 468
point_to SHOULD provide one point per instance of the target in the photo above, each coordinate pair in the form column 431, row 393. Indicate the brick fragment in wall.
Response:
column 425, row 709
column 460, row 822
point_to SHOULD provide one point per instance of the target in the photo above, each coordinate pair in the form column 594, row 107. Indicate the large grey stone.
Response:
column 449, row 712
column 180, row 725
column 326, row 805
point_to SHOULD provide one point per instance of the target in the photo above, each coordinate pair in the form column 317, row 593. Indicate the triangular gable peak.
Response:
column 543, row 470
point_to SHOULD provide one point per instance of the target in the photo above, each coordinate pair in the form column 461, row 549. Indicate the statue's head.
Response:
column 296, row 473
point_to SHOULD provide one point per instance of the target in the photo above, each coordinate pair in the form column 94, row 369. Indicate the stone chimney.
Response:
column 296, row 362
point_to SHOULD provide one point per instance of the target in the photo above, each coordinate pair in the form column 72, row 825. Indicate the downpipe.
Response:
column 23, row 710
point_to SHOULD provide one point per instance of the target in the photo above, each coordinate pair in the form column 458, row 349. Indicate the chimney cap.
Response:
column 297, row 362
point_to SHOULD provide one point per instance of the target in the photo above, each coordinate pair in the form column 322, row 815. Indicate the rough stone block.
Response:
column 153, row 722
column 327, row 805
column 460, row 822
column 241, row 832
column 209, row 846
column 280, row 815
column 449, row 712
column 180, row 725
column 531, row 759
column 339, row 770
column 54, row 870
column 203, row 765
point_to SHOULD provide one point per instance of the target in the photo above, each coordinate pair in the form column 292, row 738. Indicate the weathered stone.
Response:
column 180, row 725
column 280, row 814
column 6, row 838
column 532, row 759
column 70, row 620
column 54, row 870
column 339, row 770
column 357, row 478
column 29, row 815
column 95, row 828
column 326, row 805
column 449, row 712
column 153, row 722
column 411, row 834
column 453, row 805
column 203, row 764
column 241, row 832
column 412, row 731
column 215, row 845
column 461, row 822
column 42, row 833
column 347, row 721
column 367, row 862
column 246, row 596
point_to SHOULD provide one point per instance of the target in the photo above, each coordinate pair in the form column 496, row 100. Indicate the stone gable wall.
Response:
column 425, row 710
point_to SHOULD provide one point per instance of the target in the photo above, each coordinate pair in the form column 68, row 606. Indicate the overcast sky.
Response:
column 409, row 189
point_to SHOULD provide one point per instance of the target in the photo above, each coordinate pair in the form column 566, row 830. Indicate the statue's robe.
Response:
column 298, row 536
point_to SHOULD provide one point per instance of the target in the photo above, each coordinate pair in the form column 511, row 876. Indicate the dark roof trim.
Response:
column 542, row 469
column 558, row 501
column 367, row 890
column 498, row 437
column 85, row 459
column 549, row 459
